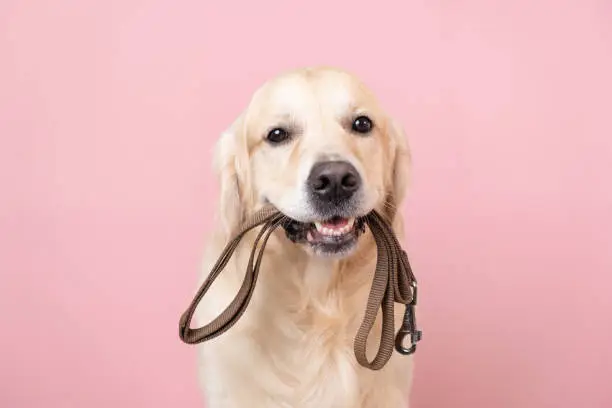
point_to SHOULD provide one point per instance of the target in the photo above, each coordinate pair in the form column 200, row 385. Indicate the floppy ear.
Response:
column 230, row 165
column 401, row 159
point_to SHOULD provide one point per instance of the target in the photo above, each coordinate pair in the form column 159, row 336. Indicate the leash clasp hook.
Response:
column 409, row 327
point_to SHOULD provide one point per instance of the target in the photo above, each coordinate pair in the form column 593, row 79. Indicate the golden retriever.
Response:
column 315, row 143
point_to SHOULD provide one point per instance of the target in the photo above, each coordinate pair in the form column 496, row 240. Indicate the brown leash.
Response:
column 393, row 282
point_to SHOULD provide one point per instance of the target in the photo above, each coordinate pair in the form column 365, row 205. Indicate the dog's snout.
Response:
column 333, row 181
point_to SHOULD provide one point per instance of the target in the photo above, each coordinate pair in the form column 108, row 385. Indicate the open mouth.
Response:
column 336, row 235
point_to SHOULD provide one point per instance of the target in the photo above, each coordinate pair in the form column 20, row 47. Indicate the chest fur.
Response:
column 305, row 325
column 294, row 345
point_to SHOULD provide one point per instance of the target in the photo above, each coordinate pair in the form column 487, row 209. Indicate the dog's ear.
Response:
column 401, row 159
column 230, row 164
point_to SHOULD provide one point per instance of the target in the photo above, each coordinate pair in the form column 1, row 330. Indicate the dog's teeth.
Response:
column 334, row 232
column 350, row 223
column 309, row 236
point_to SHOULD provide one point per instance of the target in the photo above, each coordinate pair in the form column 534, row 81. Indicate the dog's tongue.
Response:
column 335, row 222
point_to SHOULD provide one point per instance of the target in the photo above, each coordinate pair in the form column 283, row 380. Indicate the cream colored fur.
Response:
column 293, row 348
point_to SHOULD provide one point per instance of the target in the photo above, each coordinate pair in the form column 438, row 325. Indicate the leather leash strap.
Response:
column 393, row 282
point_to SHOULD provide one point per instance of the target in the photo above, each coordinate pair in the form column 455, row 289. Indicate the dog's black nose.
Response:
column 333, row 181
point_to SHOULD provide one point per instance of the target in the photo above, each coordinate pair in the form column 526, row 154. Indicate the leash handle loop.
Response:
column 393, row 282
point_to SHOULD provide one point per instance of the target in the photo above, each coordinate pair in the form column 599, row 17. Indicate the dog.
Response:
column 314, row 143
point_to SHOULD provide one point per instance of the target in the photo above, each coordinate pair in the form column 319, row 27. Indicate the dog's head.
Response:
column 315, row 144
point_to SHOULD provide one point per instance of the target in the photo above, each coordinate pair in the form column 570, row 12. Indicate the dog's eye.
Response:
column 277, row 135
column 362, row 124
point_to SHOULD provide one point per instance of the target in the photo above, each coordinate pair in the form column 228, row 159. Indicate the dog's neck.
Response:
column 324, row 276
column 320, row 275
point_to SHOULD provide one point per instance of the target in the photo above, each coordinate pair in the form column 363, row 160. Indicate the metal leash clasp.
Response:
column 409, row 327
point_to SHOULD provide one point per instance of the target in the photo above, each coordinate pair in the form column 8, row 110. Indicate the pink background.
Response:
column 108, row 111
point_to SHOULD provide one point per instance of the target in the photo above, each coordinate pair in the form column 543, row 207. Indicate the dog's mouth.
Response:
column 334, row 236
